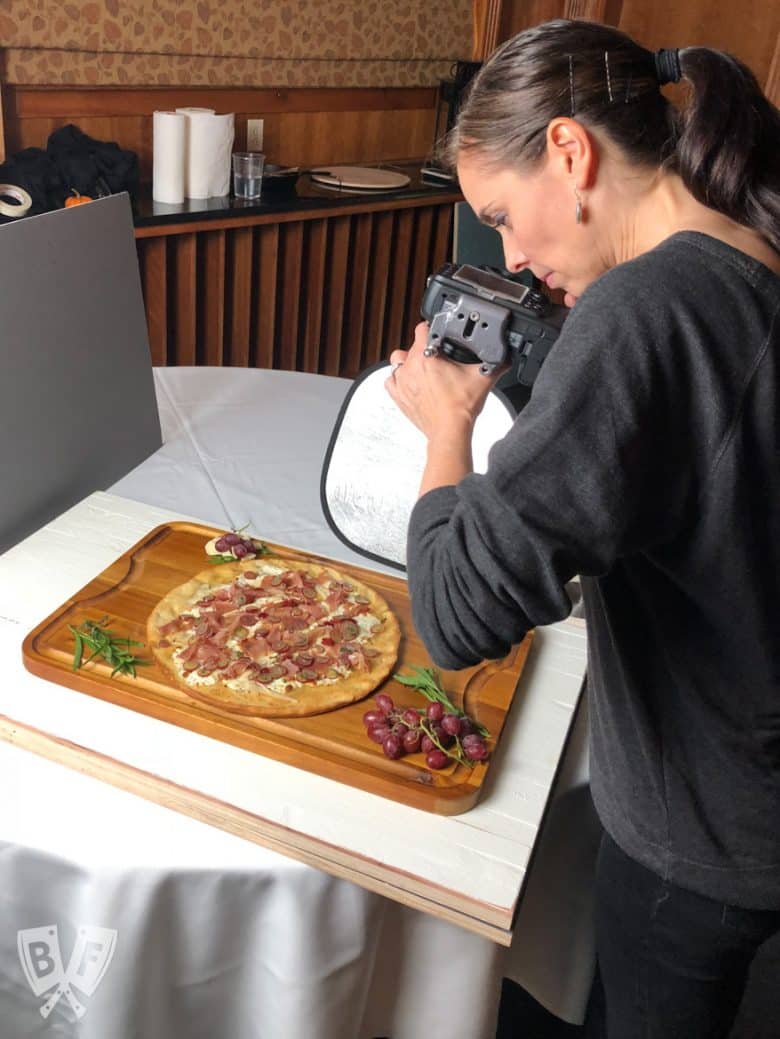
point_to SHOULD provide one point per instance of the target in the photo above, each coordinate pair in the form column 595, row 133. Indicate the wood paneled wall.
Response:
column 303, row 126
column 750, row 30
column 332, row 293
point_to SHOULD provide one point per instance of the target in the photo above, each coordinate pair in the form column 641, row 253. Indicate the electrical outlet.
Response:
column 254, row 135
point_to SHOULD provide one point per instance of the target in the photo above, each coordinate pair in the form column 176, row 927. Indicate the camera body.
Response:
column 478, row 316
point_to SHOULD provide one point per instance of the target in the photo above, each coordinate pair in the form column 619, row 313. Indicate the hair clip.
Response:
column 609, row 78
column 571, row 83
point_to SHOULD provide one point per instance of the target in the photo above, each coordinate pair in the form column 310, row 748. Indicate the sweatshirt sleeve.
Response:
column 591, row 470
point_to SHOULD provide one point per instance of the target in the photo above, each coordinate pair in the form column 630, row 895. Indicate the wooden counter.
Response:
column 314, row 280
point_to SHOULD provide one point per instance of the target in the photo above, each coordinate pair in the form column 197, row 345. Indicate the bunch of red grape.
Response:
column 441, row 735
column 235, row 545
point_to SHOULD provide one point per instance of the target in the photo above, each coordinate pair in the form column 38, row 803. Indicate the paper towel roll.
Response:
column 208, row 150
column 169, row 131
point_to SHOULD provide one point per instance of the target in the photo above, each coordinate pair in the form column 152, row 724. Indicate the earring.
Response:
column 578, row 209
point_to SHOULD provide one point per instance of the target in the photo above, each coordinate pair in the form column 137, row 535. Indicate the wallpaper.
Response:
column 260, row 42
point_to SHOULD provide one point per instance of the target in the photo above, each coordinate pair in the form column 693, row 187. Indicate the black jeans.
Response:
column 673, row 964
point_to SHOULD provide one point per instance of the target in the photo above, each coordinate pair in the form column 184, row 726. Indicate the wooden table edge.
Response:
column 485, row 920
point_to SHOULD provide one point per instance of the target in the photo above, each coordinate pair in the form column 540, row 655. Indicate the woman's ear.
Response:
column 572, row 151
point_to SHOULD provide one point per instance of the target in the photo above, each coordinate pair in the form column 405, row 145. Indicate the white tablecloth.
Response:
column 217, row 935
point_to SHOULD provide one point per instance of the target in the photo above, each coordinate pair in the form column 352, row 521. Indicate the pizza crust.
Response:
column 300, row 700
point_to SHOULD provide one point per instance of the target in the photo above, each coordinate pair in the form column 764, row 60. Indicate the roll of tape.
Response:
column 23, row 200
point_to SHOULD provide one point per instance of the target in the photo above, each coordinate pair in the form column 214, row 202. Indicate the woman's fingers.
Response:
column 397, row 357
column 421, row 335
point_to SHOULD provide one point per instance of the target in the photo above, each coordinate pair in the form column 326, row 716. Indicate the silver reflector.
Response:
column 374, row 464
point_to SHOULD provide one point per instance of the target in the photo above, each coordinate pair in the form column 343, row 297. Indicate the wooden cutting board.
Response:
column 333, row 744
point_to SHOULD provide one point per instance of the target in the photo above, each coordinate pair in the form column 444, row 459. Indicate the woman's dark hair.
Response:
column 724, row 144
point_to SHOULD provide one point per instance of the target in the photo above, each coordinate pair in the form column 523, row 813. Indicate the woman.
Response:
column 648, row 462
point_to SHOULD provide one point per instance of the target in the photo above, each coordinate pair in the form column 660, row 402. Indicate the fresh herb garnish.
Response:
column 426, row 681
column 103, row 642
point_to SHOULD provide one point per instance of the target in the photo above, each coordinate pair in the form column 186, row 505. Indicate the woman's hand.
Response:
column 443, row 399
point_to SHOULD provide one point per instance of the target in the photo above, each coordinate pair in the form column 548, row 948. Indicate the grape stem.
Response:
column 426, row 681
column 458, row 756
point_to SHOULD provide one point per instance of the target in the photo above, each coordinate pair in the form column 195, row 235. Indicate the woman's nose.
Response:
column 515, row 258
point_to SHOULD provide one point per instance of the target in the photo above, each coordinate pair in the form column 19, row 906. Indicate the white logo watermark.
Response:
column 39, row 952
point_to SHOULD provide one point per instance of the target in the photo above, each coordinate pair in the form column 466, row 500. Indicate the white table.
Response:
column 217, row 934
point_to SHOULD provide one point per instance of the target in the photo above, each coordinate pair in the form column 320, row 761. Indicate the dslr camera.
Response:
column 478, row 316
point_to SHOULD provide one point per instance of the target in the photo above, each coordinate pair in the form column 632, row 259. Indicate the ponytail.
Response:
column 728, row 145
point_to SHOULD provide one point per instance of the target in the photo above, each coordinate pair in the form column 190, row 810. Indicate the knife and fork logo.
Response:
column 41, row 959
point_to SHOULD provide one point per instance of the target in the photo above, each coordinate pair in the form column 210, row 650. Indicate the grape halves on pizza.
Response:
column 275, row 637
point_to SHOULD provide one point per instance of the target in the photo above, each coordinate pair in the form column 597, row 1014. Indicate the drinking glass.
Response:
column 248, row 174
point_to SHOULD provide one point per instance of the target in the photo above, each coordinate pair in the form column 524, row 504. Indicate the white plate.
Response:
column 367, row 178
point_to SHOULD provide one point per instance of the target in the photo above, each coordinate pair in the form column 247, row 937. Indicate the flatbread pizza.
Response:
column 275, row 637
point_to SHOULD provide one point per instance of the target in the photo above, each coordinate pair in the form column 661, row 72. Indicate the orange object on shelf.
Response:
column 76, row 199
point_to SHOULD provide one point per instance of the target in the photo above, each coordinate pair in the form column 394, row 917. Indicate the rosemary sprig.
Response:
column 426, row 681
column 95, row 636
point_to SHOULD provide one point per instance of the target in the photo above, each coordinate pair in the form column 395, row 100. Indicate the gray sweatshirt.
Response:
column 648, row 462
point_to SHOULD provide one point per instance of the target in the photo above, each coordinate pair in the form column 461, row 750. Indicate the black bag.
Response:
column 95, row 168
